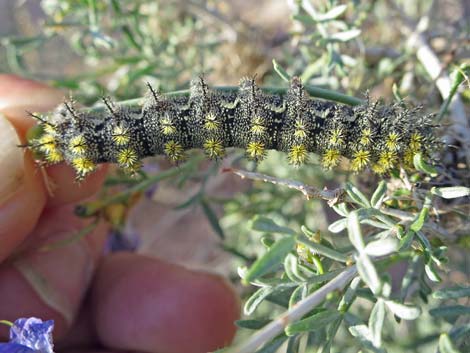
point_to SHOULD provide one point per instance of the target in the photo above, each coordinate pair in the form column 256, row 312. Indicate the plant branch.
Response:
column 295, row 313
column 332, row 196
column 313, row 91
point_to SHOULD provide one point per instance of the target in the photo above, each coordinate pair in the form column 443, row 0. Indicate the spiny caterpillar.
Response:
column 372, row 135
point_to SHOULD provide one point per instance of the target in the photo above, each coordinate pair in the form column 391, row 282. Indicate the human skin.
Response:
column 116, row 302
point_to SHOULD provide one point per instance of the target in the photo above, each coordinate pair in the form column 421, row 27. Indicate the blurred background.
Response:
column 389, row 48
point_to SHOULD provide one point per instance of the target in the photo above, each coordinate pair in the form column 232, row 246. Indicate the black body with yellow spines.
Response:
column 370, row 135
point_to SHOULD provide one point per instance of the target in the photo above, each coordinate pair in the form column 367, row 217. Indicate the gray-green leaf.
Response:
column 379, row 194
column 376, row 321
column 271, row 259
column 312, row 323
column 264, row 224
column 403, row 311
column 452, row 293
column 256, row 299
column 451, row 192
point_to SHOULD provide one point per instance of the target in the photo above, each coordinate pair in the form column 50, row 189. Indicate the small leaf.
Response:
column 368, row 273
column 297, row 295
column 458, row 76
column 273, row 346
column 423, row 214
column 354, row 231
column 293, row 344
column 451, row 192
column 422, row 166
column 280, row 71
column 315, row 322
column 363, row 334
column 406, row 241
column 252, row 324
column 291, row 266
column 376, row 321
column 338, row 226
column 379, row 194
column 341, row 209
column 350, row 295
column 431, row 272
column 256, row 299
column 446, row 345
column 271, row 259
column 452, row 293
column 335, row 12
column 450, row 311
column 345, row 36
column 323, row 250
column 382, row 247
column 396, row 92
column 212, row 218
column 357, row 196
column 264, row 224
column 331, row 334
column 403, row 311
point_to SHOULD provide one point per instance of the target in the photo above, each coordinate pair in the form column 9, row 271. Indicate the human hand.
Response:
column 118, row 302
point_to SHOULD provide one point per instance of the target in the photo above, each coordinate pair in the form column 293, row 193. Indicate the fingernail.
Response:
column 11, row 160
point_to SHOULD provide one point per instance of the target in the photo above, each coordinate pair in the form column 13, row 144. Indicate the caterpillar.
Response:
column 371, row 135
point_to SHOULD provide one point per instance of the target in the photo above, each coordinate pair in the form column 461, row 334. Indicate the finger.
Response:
column 82, row 334
column 65, row 189
column 17, row 96
column 50, row 283
column 22, row 194
column 144, row 304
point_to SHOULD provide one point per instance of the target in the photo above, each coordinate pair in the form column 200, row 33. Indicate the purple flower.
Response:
column 122, row 240
column 28, row 336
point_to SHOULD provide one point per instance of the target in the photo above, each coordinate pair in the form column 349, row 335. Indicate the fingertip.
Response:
column 51, row 274
column 145, row 304
column 19, row 95
column 24, row 302
column 64, row 187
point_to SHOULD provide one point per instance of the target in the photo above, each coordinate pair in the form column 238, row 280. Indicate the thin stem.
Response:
column 295, row 313
column 6, row 322
column 69, row 240
column 313, row 91
column 332, row 196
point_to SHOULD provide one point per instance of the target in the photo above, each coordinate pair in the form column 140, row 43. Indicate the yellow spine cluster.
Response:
column 258, row 126
column 166, row 126
column 128, row 159
column 392, row 141
column 300, row 129
column 77, row 145
column 365, row 139
column 256, row 150
column 331, row 158
column 174, row 151
column 298, row 155
column 211, row 122
column 121, row 136
column 413, row 148
column 48, row 145
column 361, row 159
column 214, row 148
column 83, row 166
